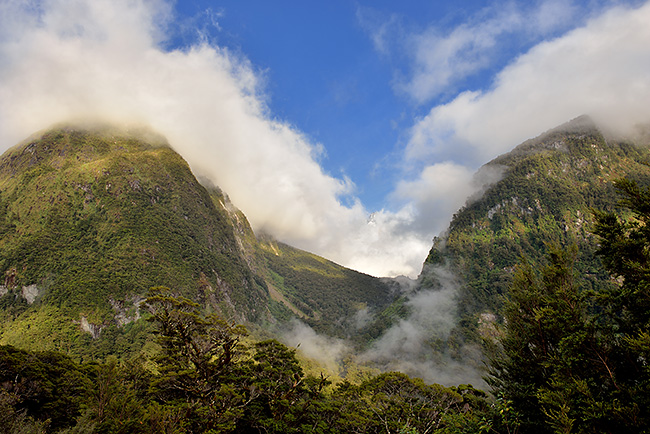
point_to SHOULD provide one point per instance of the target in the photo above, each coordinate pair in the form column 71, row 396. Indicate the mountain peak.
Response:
column 553, row 139
column 582, row 124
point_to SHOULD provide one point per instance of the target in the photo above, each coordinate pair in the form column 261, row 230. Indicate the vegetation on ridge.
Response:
column 570, row 356
column 90, row 219
column 206, row 380
column 576, row 360
column 546, row 195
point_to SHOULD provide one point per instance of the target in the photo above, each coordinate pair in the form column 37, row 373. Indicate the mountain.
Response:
column 92, row 217
column 547, row 191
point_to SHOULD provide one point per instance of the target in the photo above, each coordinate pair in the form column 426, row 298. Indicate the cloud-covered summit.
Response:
column 107, row 59
column 120, row 61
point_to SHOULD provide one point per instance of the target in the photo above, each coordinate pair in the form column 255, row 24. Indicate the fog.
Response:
column 417, row 344
column 327, row 351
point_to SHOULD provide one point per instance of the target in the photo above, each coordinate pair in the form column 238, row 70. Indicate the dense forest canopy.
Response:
column 570, row 359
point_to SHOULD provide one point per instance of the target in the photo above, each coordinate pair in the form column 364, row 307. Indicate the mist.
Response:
column 418, row 344
column 327, row 351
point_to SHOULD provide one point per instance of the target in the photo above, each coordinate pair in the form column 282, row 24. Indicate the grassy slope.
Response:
column 326, row 295
column 302, row 285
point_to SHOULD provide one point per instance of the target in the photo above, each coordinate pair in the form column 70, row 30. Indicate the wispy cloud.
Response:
column 327, row 351
column 600, row 69
column 381, row 29
column 442, row 56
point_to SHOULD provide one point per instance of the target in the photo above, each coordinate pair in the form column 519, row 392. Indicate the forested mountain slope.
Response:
column 91, row 218
column 546, row 195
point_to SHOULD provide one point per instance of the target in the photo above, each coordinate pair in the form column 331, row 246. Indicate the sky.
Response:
column 351, row 129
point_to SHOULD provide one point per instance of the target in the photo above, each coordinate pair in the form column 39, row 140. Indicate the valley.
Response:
column 93, row 218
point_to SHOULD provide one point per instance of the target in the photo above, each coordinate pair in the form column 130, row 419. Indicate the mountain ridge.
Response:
column 549, row 186
column 91, row 217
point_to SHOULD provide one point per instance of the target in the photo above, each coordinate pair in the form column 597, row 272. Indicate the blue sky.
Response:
column 327, row 74
column 351, row 129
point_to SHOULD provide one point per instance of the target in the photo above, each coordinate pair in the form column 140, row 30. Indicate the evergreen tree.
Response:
column 576, row 360
column 197, row 363
column 625, row 251
column 546, row 330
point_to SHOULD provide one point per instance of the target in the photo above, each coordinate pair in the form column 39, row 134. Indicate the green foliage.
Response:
column 321, row 292
column 91, row 218
column 575, row 359
column 198, row 354
column 545, row 195
column 16, row 421
column 205, row 380
column 394, row 403
column 547, row 337
column 624, row 249
column 45, row 385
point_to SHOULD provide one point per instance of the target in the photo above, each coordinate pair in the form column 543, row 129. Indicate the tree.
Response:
column 281, row 396
column 46, row 386
column 576, row 360
column 197, row 362
column 625, row 251
column 625, row 320
column 545, row 322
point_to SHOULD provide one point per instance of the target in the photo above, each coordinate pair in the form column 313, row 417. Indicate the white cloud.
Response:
column 105, row 59
column 600, row 69
column 442, row 58
column 438, row 192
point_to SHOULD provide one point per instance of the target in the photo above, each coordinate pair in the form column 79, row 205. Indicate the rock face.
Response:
column 94, row 329
column 128, row 310
column 30, row 293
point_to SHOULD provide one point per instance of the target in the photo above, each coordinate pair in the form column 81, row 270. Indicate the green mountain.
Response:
column 548, row 189
column 91, row 218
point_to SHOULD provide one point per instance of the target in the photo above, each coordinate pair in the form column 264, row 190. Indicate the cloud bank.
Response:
column 111, row 60
column 63, row 60
column 600, row 69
